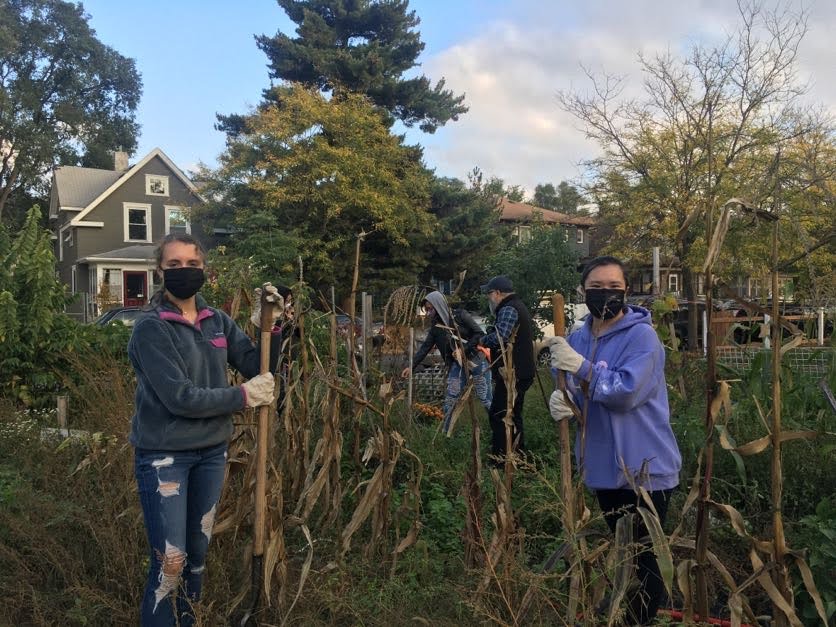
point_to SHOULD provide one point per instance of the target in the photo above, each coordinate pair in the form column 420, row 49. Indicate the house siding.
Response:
column 93, row 240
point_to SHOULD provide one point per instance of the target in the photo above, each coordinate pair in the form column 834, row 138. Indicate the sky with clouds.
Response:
column 510, row 58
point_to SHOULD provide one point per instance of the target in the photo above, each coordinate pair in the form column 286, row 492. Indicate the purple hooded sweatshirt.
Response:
column 628, row 417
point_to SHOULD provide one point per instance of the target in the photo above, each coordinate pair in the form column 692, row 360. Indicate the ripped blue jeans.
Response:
column 456, row 382
column 179, row 491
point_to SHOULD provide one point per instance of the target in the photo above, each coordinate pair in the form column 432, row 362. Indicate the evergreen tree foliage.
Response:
column 565, row 198
column 364, row 47
column 467, row 232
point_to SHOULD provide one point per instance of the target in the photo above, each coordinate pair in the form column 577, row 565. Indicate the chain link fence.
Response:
column 809, row 360
column 429, row 384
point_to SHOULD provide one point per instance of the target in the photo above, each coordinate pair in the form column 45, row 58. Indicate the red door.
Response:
column 136, row 288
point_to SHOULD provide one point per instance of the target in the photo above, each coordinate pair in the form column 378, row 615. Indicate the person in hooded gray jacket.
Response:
column 456, row 335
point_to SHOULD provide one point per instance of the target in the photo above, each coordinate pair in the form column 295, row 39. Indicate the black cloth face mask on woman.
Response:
column 183, row 283
column 604, row 303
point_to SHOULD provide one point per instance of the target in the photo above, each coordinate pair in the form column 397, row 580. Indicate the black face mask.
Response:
column 604, row 303
column 183, row 283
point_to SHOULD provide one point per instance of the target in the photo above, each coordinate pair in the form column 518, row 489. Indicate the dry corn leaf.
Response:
column 774, row 594
column 717, row 238
column 622, row 548
column 303, row 575
column 410, row 538
column 793, row 343
column 271, row 558
column 367, row 503
column 683, row 580
column 761, row 444
column 810, row 584
column 660, row 546
column 737, row 523
column 693, row 495
column 721, row 400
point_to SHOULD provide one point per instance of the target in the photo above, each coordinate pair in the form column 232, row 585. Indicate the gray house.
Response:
column 105, row 225
column 576, row 229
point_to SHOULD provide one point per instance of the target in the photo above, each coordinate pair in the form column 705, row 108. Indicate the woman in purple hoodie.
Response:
column 615, row 367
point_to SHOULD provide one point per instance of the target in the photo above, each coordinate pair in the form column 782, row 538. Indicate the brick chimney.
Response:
column 120, row 160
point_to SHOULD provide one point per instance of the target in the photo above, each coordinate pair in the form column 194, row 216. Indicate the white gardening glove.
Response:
column 259, row 390
column 274, row 297
column 563, row 356
column 558, row 407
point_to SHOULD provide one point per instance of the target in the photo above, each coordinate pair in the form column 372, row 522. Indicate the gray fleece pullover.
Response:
column 183, row 397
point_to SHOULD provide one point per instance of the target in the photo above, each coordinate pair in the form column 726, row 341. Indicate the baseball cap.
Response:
column 499, row 283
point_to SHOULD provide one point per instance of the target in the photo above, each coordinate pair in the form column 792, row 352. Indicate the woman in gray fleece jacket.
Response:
column 180, row 349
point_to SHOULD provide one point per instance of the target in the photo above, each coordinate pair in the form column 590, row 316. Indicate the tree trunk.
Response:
column 7, row 190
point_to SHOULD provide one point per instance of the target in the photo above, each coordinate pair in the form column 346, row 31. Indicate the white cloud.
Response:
column 512, row 71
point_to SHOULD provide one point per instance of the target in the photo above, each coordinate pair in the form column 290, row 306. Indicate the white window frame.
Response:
column 700, row 284
column 127, row 207
column 579, row 235
column 168, row 210
column 523, row 233
column 150, row 178
column 673, row 283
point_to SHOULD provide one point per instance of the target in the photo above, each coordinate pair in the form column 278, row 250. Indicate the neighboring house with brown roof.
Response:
column 105, row 224
column 520, row 215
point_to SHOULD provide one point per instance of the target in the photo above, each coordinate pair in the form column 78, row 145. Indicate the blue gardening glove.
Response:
column 563, row 356
column 274, row 297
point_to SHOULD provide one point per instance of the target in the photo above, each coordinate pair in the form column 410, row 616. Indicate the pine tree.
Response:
column 365, row 47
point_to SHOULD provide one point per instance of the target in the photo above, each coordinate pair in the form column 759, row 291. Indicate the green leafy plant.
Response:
column 818, row 532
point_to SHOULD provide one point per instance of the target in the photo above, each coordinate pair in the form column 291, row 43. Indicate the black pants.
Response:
column 614, row 504
column 499, row 407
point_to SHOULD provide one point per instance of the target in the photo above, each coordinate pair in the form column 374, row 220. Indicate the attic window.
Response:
column 156, row 185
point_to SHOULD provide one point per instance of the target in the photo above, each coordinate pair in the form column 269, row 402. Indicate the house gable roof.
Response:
column 122, row 177
column 523, row 212
column 78, row 187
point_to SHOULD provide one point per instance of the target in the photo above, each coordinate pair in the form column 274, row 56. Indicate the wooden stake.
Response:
column 567, row 492
column 261, row 449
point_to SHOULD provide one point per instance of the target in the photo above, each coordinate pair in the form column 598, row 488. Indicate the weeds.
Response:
column 73, row 545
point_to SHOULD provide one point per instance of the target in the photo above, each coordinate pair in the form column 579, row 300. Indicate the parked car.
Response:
column 122, row 315
column 579, row 313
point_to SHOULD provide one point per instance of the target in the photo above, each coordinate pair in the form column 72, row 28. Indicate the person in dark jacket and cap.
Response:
column 456, row 335
column 513, row 326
